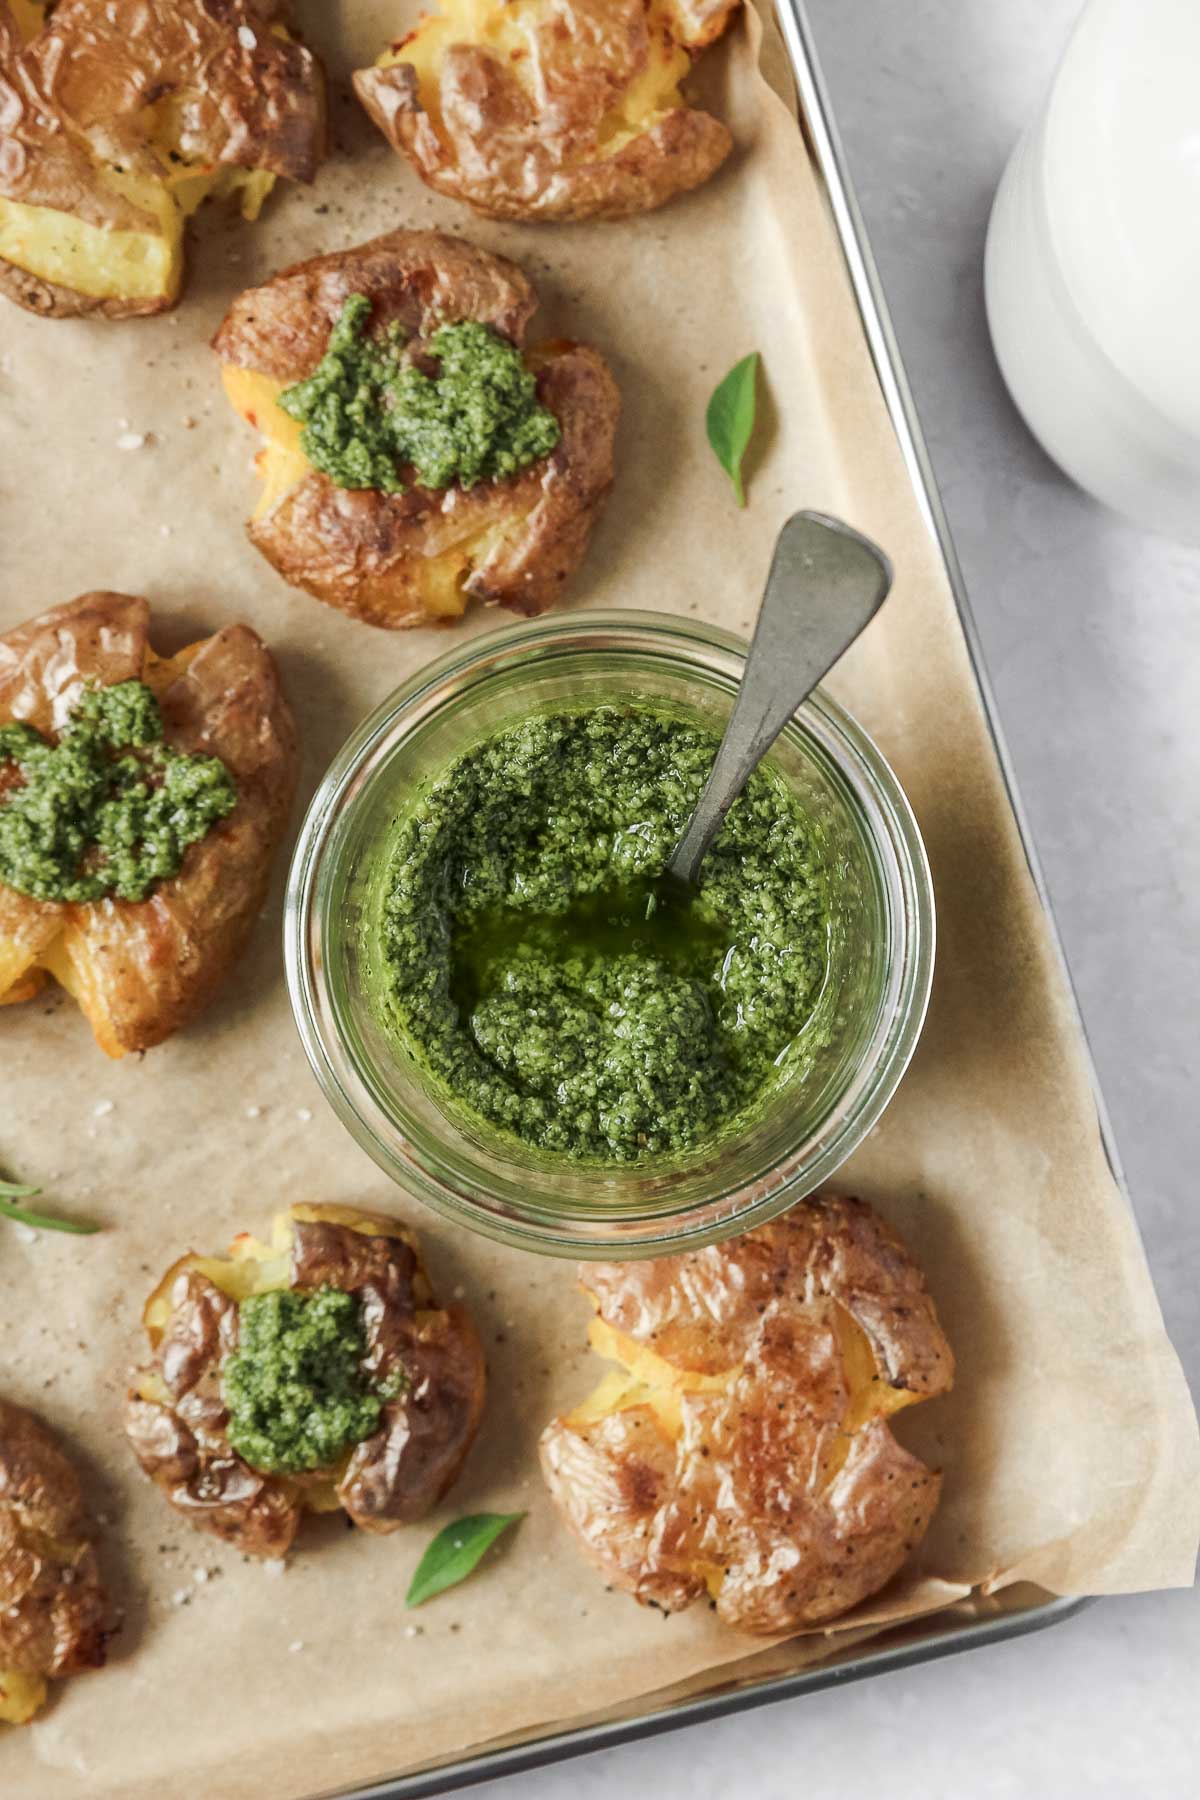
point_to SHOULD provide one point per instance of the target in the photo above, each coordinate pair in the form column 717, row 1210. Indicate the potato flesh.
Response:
column 123, row 265
column 254, row 1266
column 88, row 259
column 646, row 1379
column 643, row 1379
column 282, row 464
column 16, row 963
column 20, row 1696
column 653, row 93
column 509, row 32
column 251, row 1267
column 254, row 395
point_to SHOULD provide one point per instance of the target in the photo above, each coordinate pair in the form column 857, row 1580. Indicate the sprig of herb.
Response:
column 730, row 419
column 10, row 1192
column 454, row 1552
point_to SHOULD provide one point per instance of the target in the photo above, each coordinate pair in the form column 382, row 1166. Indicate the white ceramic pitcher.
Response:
column 1093, row 263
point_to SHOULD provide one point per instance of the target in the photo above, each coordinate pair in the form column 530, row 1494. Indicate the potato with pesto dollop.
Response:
column 308, row 1373
column 417, row 455
column 141, row 800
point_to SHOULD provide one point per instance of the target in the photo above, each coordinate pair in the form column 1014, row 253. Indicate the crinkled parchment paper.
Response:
column 1069, row 1445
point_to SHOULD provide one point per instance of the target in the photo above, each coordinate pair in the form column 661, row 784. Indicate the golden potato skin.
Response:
column 751, row 1457
column 142, row 970
column 522, row 134
column 382, row 557
column 55, row 1617
column 388, row 1480
column 87, row 91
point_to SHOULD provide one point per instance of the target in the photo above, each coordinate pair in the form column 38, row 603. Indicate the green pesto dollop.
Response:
column 294, row 1387
column 369, row 411
column 108, row 809
column 528, row 961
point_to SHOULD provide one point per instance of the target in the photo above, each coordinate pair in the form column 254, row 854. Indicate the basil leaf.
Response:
column 454, row 1552
column 9, row 1191
column 730, row 419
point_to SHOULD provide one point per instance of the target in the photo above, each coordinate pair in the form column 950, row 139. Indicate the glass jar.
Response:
column 873, row 1004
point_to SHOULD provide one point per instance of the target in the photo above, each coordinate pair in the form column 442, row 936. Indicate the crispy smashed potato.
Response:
column 742, row 1449
column 140, row 970
column 176, row 1417
column 417, row 557
column 54, row 1614
column 552, row 109
column 118, row 120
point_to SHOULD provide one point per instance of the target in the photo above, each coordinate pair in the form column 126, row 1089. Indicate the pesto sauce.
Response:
column 531, row 965
column 368, row 410
column 294, row 1386
column 109, row 808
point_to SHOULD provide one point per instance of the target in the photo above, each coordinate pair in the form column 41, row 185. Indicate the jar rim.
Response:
column 647, row 1224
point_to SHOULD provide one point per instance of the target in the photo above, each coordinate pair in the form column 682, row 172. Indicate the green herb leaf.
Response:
column 9, row 1191
column 730, row 419
column 454, row 1552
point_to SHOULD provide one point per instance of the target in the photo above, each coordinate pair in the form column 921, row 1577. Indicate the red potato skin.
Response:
column 766, row 1496
column 702, row 1312
column 55, row 1618
column 414, row 279
column 150, row 967
column 369, row 553
column 528, row 142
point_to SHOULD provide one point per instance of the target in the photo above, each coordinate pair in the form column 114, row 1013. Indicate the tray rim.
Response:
column 557, row 1745
column 561, row 1746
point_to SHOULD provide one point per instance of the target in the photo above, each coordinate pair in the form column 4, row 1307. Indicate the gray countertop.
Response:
column 1091, row 632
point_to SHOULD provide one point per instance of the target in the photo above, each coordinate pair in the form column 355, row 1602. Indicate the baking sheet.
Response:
column 1057, row 1468
column 802, row 1665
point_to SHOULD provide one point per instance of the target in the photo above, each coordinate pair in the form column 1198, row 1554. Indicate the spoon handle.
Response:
column 827, row 582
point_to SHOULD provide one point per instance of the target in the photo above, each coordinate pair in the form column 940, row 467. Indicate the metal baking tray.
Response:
column 970, row 1625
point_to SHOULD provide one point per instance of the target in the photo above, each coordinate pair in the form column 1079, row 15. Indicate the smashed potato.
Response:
column 552, row 109
column 118, row 120
column 140, row 970
column 742, row 1448
column 417, row 556
column 427, row 1359
column 54, row 1614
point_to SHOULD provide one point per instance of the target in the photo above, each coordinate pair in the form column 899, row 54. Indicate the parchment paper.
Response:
column 1069, row 1444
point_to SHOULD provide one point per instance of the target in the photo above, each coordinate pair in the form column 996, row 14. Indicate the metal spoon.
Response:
column 826, row 584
